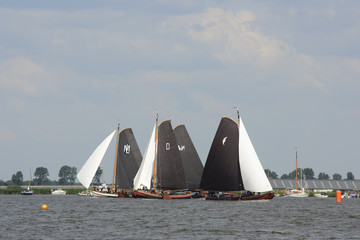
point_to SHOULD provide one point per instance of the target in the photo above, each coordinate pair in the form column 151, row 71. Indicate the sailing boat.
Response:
column 297, row 192
column 27, row 190
column 192, row 164
column 126, row 163
column 233, row 165
column 161, row 168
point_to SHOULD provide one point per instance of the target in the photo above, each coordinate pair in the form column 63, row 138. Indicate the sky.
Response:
column 70, row 71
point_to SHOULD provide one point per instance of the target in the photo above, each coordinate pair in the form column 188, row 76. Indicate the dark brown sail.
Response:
column 192, row 164
column 170, row 171
column 128, row 159
column 222, row 171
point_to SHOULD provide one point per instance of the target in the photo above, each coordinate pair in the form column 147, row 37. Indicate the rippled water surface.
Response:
column 79, row 217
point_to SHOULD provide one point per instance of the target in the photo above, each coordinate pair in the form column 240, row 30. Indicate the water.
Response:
column 79, row 217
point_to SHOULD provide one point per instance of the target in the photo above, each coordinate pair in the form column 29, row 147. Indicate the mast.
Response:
column 116, row 150
column 296, row 172
column 156, row 132
column 29, row 176
column 238, row 114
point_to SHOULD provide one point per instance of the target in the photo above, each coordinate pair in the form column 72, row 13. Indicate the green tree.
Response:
column 337, row 176
column 323, row 176
column 96, row 179
column 67, row 175
column 41, row 175
column 17, row 178
column 2, row 183
column 271, row 174
column 284, row 176
column 350, row 176
column 308, row 173
column 292, row 175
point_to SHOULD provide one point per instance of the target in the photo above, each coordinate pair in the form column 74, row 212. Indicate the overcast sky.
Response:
column 71, row 70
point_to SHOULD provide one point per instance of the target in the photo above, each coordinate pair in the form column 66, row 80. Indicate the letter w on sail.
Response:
column 181, row 148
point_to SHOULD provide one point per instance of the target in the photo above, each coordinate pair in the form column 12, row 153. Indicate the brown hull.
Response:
column 145, row 194
column 180, row 196
column 265, row 196
column 123, row 195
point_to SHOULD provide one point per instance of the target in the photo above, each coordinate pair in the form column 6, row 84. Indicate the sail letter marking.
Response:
column 181, row 148
column 127, row 149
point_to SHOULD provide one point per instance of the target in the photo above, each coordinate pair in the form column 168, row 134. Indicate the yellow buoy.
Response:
column 44, row 207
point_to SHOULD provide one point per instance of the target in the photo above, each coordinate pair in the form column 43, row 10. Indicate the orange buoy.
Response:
column 44, row 207
column 338, row 196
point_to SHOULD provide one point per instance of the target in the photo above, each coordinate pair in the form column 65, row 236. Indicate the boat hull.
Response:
column 104, row 195
column 145, row 194
column 124, row 195
column 27, row 193
column 265, row 196
column 198, row 195
column 177, row 196
column 223, row 197
column 58, row 192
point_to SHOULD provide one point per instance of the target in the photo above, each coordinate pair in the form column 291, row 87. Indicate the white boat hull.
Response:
column 297, row 193
column 58, row 192
column 103, row 195
column 319, row 195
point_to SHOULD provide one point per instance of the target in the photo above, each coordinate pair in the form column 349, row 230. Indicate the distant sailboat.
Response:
column 233, row 165
column 299, row 193
column 27, row 190
column 126, row 163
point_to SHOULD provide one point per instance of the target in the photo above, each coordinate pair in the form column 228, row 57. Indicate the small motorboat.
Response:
column 321, row 195
column 84, row 193
column 58, row 192
column 27, row 191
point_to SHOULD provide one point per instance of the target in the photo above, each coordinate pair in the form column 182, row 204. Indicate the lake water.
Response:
column 79, row 217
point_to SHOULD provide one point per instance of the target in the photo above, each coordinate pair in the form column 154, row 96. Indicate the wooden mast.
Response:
column 238, row 114
column 116, row 150
column 156, row 130
column 296, row 172
column 29, row 176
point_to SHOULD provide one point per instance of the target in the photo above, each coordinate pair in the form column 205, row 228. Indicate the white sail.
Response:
column 252, row 172
column 144, row 174
column 87, row 172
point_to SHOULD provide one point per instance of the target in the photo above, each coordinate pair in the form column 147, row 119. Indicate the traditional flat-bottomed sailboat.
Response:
column 126, row 164
column 233, row 165
column 161, row 170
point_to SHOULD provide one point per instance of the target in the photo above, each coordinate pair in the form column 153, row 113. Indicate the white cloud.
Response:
column 231, row 36
column 25, row 76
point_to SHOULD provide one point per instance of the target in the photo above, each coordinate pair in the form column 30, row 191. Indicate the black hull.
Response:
column 265, row 196
column 223, row 197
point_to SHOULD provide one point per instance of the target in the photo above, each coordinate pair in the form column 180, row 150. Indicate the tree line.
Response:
column 308, row 173
column 67, row 176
